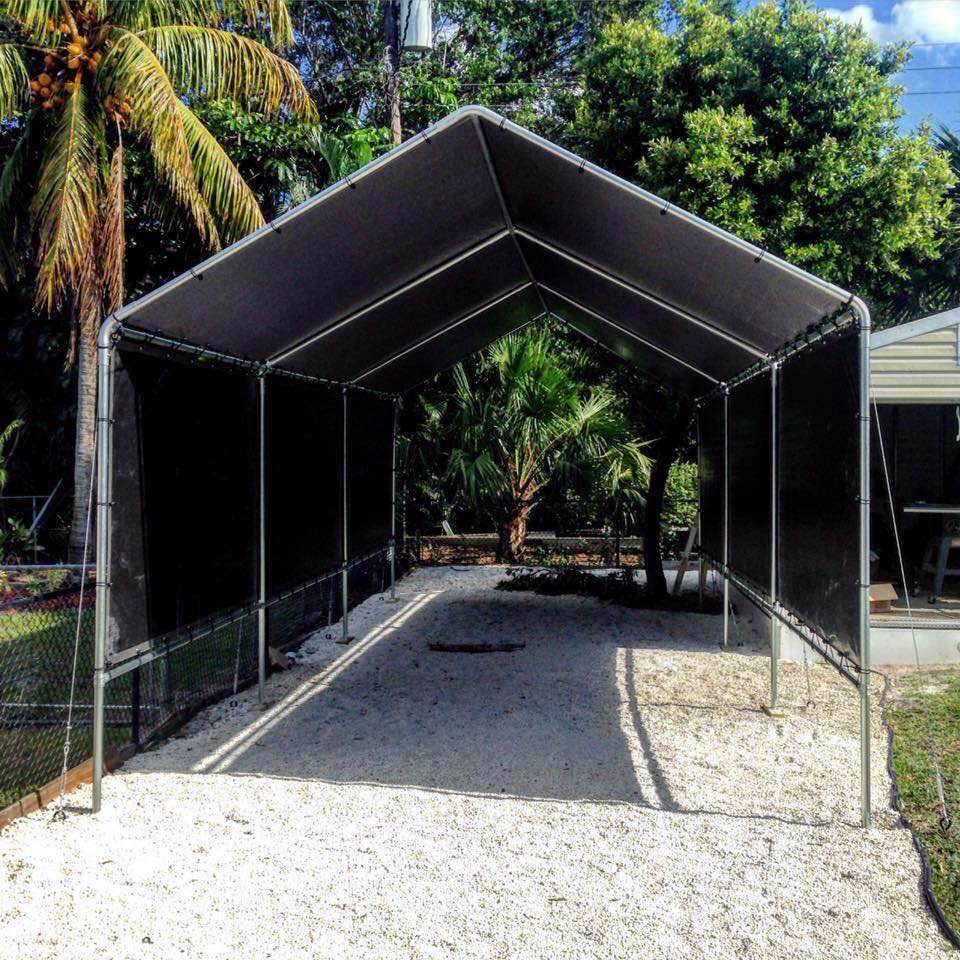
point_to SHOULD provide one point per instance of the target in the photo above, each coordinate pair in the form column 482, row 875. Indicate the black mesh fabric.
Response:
column 711, row 478
column 751, row 479
column 185, row 496
column 304, row 469
column 369, row 466
column 819, row 475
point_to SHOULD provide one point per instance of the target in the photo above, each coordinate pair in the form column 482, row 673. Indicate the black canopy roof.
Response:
column 472, row 229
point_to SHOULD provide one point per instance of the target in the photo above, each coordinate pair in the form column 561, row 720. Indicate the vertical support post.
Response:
column 774, row 625
column 393, row 507
column 701, row 560
column 104, row 446
column 726, row 518
column 863, row 315
column 345, row 572
column 262, row 573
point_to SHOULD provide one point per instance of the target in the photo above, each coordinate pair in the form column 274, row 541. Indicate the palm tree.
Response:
column 79, row 77
column 6, row 436
column 527, row 422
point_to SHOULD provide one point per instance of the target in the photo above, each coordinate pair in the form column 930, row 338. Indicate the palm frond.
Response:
column 67, row 200
column 13, row 203
column 111, row 240
column 34, row 17
column 14, row 80
column 131, row 68
column 218, row 65
column 228, row 197
column 269, row 17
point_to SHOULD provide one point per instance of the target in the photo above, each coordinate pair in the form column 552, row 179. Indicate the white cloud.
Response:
column 926, row 21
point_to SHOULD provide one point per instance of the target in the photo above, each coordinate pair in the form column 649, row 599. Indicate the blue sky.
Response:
column 934, row 26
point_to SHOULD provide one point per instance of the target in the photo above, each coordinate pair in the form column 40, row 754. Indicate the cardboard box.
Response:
column 882, row 596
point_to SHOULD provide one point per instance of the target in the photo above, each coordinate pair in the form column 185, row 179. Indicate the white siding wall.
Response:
column 923, row 369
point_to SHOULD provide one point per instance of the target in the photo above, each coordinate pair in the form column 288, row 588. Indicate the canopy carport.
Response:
column 304, row 333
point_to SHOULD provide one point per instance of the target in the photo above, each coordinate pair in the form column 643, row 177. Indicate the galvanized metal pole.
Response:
column 345, row 573
column 774, row 537
column 726, row 518
column 701, row 561
column 101, row 617
column 863, row 314
column 262, row 575
column 393, row 508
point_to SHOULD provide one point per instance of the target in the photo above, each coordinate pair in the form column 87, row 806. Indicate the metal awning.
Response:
column 917, row 362
column 472, row 229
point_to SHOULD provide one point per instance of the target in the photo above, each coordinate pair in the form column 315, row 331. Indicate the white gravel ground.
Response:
column 611, row 790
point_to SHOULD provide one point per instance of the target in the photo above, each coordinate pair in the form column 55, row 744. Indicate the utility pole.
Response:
column 391, row 57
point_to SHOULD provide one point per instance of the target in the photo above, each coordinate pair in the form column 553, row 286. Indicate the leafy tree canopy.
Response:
column 779, row 124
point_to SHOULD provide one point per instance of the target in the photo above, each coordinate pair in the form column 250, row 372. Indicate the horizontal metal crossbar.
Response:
column 626, row 332
column 641, row 293
column 370, row 371
column 822, row 645
column 169, row 643
column 386, row 298
column 828, row 328
column 172, row 345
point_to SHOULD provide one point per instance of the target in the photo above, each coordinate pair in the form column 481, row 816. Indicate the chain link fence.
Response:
column 38, row 635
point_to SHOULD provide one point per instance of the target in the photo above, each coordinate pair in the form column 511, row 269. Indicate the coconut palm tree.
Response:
column 527, row 421
column 82, row 77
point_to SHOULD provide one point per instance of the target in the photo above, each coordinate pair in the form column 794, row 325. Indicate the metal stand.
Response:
column 262, row 577
column 726, row 518
column 393, row 509
column 104, row 492
column 774, row 709
column 866, row 815
column 345, row 572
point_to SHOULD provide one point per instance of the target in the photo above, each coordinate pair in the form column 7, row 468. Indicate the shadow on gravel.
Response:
column 560, row 719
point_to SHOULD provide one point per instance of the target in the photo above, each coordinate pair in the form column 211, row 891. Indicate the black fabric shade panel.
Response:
column 407, row 266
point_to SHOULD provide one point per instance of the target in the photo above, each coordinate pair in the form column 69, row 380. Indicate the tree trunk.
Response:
column 664, row 453
column 513, row 534
column 391, row 15
column 83, row 455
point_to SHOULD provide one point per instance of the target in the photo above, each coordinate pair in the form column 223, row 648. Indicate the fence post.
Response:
column 135, row 708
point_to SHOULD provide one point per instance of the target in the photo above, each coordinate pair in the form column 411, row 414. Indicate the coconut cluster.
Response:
column 63, row 67
column 118, row 109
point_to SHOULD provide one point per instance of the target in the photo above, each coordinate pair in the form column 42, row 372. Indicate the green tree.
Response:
column 936, row 283
column 778, row 123
column 78, row 78
column 525, row 422
column 511, row 54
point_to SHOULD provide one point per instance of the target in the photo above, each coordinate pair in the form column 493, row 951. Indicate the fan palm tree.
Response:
column 528, row 422
column 81, row 77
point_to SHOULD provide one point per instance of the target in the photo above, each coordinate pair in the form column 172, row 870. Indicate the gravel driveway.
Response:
column 611, row 790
